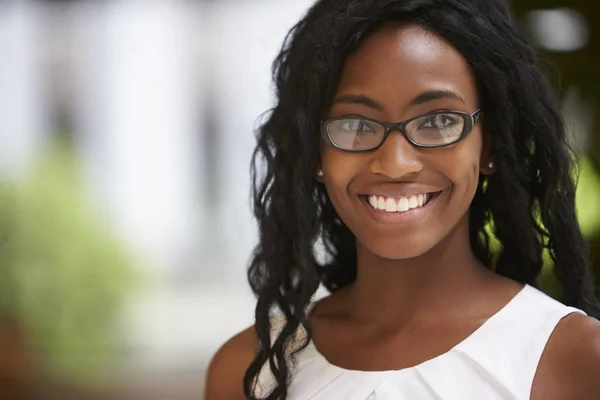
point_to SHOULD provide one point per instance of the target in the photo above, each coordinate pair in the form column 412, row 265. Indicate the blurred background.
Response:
column 126, row 130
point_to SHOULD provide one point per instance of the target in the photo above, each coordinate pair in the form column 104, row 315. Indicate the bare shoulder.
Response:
column 226, row 370
column 570, row 365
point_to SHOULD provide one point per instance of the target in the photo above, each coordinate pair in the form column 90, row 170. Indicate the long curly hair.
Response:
column 529, row 200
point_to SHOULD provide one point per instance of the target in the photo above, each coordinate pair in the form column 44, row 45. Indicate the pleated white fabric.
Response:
column 497, row 362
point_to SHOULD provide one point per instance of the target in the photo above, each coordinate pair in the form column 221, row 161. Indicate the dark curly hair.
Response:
column 529, row 200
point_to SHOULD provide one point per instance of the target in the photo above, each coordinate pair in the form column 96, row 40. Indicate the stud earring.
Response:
column 320, row 174
column 491, row 165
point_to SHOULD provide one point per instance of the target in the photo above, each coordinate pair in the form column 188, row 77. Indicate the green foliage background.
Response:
column 63, row 275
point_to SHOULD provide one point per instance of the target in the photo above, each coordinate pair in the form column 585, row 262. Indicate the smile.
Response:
column 401, row 204
column 399, row 210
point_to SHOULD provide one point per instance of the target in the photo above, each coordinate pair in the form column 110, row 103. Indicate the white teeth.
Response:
column 398, row 205
column 412, row 202
column 390, row 205
column 373, row 201
column 403, row 204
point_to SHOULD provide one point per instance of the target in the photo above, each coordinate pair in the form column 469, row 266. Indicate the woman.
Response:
column 407, row 135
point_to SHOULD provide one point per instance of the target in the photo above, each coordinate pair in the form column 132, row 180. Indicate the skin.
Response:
column 419, row 288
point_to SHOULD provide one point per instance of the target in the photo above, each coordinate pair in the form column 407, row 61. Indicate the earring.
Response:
column 320, row 174
column 491, row 165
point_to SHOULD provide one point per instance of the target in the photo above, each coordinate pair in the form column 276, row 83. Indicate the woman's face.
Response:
column 400, row 72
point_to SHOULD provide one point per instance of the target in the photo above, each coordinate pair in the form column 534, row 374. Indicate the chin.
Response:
column 398, row 249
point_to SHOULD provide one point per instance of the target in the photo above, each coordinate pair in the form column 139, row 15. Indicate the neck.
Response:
column 423, row 286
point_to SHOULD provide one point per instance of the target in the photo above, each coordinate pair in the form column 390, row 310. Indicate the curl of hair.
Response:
column 530, row 198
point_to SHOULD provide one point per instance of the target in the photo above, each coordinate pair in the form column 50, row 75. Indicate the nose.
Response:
column 396, row 157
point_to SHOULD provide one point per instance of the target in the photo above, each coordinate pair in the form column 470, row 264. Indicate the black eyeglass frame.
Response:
column 469, row 123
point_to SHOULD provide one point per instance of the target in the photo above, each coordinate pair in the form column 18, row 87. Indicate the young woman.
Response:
column 407, row 135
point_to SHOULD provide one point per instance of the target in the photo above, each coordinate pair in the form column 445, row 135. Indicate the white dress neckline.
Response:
column 311, row 351
column 498, row 360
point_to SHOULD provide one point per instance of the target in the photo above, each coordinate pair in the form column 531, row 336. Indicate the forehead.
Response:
column 398, row 62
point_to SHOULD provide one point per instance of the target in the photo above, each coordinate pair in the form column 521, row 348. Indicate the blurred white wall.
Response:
column 138, row 121
column 23, row 103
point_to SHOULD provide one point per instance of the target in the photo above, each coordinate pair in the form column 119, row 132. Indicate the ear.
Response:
column 487, row 164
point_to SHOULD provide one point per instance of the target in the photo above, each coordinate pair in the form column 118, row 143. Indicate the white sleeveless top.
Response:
column 496, row 362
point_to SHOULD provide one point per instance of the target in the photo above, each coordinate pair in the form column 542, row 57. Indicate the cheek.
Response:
column 340, row 169
column 340, row 166
column 465, row 162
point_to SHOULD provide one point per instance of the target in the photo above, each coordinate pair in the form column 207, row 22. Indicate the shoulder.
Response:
column 569, row 367
column 229, row 364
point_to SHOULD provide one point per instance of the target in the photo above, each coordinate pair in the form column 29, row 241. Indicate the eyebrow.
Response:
column 420, row 99
column 435, row 95
column 358, row 99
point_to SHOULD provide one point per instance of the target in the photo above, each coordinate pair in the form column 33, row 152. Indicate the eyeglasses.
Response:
column 432, row 130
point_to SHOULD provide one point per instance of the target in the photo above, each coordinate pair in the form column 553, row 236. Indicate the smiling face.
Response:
column 400, row 200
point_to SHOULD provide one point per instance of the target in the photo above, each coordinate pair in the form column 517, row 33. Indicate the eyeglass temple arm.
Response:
column 476, row 115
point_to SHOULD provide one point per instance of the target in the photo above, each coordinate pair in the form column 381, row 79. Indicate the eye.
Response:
column 359, row 126
column 438, row 121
